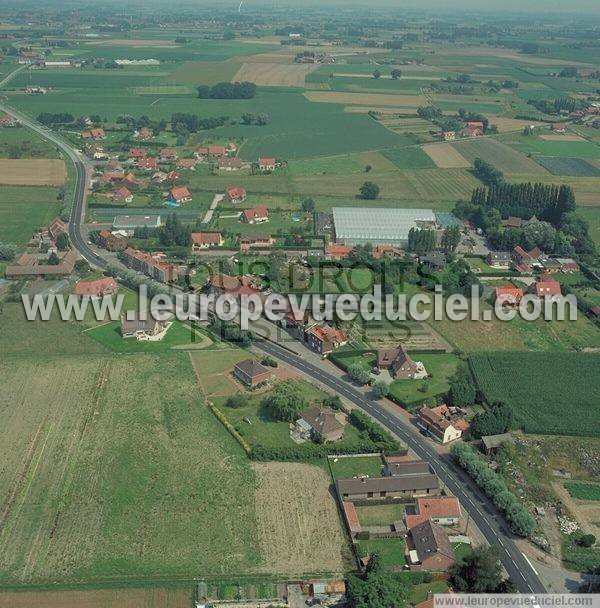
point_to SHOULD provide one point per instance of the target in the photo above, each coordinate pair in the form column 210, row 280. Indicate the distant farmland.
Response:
column 568, row 166
column 551, row 393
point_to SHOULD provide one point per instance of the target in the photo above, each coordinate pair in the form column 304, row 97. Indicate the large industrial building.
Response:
column 379, row 225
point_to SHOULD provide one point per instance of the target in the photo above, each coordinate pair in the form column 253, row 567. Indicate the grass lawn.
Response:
column 568, row 149
column 324, row 165
column 409, row 158
column 420, row 592
column 583, row 491
column 391, row 550
column 179, row 335
column 461, row 550
column 440, row 366
column 351, row 466
column 380, row 515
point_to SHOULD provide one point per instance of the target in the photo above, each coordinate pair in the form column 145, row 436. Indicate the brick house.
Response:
column 256, row 215
column 122, row 195
column 267, row 164
column 235, row 194
column 429, row 547
column 111, row 242
column 324, row 339
column 546, row 287
column 204, row 240
column 180, row 195
column 96, row 289
column 251, row 372
column 442, row 423
column 320, row 423
column 442, row 510
column 509, row 294
column 399, row 364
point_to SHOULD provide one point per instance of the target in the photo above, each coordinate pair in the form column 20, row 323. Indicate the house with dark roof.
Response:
column 433, row 261
column 402, row 466
column 499, row 259
column 320, row 423
column 251, row 372
column 429, row 547
column 443, row 423
column 141, row 329
column 325, row 339
column 399, row 365
column 388, row 487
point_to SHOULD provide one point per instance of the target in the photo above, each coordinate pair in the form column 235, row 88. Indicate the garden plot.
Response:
column 274, row 74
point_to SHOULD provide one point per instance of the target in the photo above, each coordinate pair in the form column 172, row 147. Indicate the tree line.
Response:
column 227, row 90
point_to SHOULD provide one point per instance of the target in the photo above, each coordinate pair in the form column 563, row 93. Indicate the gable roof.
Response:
column 428, row 538
column 251, row 368
column 256, row 213
column 363, row 485
column 180, row 193
column 322, row 420
column 95, row 288
column 206, row 238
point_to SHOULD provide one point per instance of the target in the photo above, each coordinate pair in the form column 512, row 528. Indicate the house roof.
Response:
column 231, row 162
column 254, row 237
column 180, row 193
column 235, row 192
column 440, row 417
column 266, row 161
column 251, row 368
column 338, row 250
column 216, row 150
column 137, row 324
column 328, row 334
column 238, row 285
column 95, row 288
column 168, row 153
column 206, row 238
column 546, row 286
column 137, row 153
column 186, row 163
column 256, row 213
column 322, row 420
column 407, row 468
column 499, row 256
column 428, row 538
column 508, row 290
column 147, row 163
column 363, row 485
column 351, row 516
column 122, row 192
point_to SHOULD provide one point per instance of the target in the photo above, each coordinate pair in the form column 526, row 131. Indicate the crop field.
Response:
column 25, row 208
column 498, row 154
column 558, row 165
column 583, row 491
column 406, row 102
column 300, row 531
column 409, row 158
column 568, row 149
column 32, row 172
column 273, row 74
column 436, row 184
column 541, row 386
column 153, row 597
column 106, row 479
column 445, row 156
column 322, row 165
column 24, row 143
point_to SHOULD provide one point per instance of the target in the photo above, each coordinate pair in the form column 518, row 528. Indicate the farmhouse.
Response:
column 96, row 133
column 386, row 250
column 235, row 195
column 559, row 127
column 96, row 289
column 30, row 265
column 8, row 121
column 429, row 547
column 256, row 215
column 167, row 155
column 509, row 294
column 492, row 443
column 204, row 240
column 321, row 424
column 249, row 241
column 473, row 129
column 180, row 195
column 111, row 242
column 220, row 284
column 144, row 134
column 151, row 264
column 147, row 164
column 546, row 287
column 401, row 466
column 141, row 329
column 131, row 222
column 399, row 364
column 324, row 339
column 337, row 251
column 251, row 372
column 442, row 423
column 525, row 260
column 56, row 227
column 122, row 195
column 384, row 487
column 499, row 259
column 568, row 265
column 231, row 164
column 379, row 225
column 443, row 510
column 186, row 163
column 216, row 151
column 267, row 164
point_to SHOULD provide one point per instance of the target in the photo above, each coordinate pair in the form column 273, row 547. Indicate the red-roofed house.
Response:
column 234, row 286
column 111, row 242
column 442, row 423
column 204, row 240
column 508, row 294
column 216, row 151
column 122, row 195
column 186, row 163
column 267, row 164
column 337, row 251
column 144, row 134
column 97, row 289
column 137, row 153
column 546, row 287
column 324, row 339
column 472, row 130
column 96, row 133
column 168, row 155
column 180, row 195
column 235, row 195
column 147, row 164
column 256, row 215
column 443, row 510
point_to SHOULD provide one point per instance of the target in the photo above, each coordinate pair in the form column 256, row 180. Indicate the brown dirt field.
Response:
column 32, row 172
column 265, row 58
column 274, row 74
column 299, row 531
column 564, row 137
column 372, row 99
column 102, row 598
column 445, row 156
column 506, row 125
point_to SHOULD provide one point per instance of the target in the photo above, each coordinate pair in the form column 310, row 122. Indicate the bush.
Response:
column 269, row 361
column 236, row 401
column 358, row 373
column 381, row 389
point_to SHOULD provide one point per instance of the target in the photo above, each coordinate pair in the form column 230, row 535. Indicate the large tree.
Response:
column 478, row 572
column 285, row 401
column 369, row 191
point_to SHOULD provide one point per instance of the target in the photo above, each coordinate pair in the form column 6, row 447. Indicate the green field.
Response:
column 409, row 158
column 542, row 387
column 391, row 550
column 351, row 466
column 583, row 491
column 559, row 165
column 566, row 149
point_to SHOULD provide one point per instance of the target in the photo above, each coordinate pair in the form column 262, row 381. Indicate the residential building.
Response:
column 433, row 261
column 320, row 423
column 235, row 194
column 231, row 164
column 473, row 129
column 337, row 251
column 399, row 364
column 526, row 260
column 96, row 289
column 56, row 227
column 180, row 195
column 568, row 265
column 508, row 294
column 186, row 163
column 442, row 510
column 141, row 328
column 137, row 153
column 442, row 423
column 386, row 250
column 151, row 264
column 216, row 151
column 204, row 240
column 559, row 127
column 8, row 121
column 267, row 164
column 499, row 259
column 255, row 215
column 251, row 372
column 324, row 339
column 237, row 286
column 388, row 487
column 144, row 134
column 255, row 241
column 546, row 287
column 147, row 164
column 110, row 242
column 449, row 135
column 403, row 466
column 122, row 195
column 429, row 547
column 351, row 517
column 96, row 133
column 167, row 155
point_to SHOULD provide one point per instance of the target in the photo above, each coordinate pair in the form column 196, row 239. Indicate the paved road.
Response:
column 485, row 516
column 473, row 501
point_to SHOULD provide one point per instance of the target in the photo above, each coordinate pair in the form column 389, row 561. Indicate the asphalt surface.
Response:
column 477, row 505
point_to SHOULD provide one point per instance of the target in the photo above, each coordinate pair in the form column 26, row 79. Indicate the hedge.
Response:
column 223, row 419
column 519, row 519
